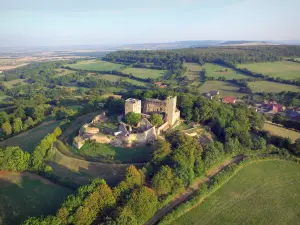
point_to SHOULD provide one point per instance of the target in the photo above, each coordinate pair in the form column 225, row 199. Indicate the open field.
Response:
column 261, row 193
column 283, row 69
column 63, row 72
column 79, row 171
column 194, row 70
column 267, row 86
column 281, row 131
column 11, row 83
column 30, row 139
column 116, row 78
column 145, row 73
column 225, row 88
column 216, row 71
column 27, row 194
column 96, row 65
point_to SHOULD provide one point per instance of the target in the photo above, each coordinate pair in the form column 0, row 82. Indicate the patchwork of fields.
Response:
column 225, row 88
column 283, row 69
column 114, row 78
column 267, row 86
column 26, row 194
column 194, row 71
column 261, row 193
column 216, row 71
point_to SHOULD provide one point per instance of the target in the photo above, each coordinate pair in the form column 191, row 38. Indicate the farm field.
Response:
column 96, row 65
column 79, row 171
column 27, row 194
column 225, row 88
column 281, row 131
column 261, row 193
column 216, row 71
column 116, row 78
column 267, row 86
column 145, row 73
column 30, row 139
column 283, row 69
column 194, row 71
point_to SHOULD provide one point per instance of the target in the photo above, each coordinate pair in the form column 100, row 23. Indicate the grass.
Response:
column 76, row 170
column 117, row 154
column 96, row 65
column 271, row 87
column 30, row 139
column 63, row 72
column 12, row 83
column 281, row 131
column 114, row 78
column 283, row 69
column 25, row 194
column 225, row 88
column 261, row 193
column 216, row 71
column 194, row 70
column 145, row 73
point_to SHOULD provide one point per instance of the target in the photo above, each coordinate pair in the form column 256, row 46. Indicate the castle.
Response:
column 151, row 106
column 143, row 133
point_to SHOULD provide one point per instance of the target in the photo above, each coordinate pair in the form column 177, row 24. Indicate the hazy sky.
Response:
column 72, row 22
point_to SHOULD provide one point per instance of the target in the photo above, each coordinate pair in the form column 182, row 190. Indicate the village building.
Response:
column 229, row 100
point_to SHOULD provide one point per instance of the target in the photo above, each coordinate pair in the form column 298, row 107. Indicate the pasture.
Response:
column 216, row 71
column 79, row 171
column 12, row 83
column 30, row 139
column 145, row 73
column 284, row 69
column 96, row 65
column 225, row 88
column 63, row 72
column 261, row 193
column 27, row 194
column 193, row 71
column 281, row 131
column 271, row 87
column 114, row 78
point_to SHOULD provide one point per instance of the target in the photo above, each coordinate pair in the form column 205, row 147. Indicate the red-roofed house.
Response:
column 229, row 100
column 161, row 85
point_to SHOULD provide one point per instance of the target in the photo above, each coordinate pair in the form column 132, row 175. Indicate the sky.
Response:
column 116, row 22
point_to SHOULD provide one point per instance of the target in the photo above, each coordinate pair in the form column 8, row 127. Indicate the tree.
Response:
column 7, row 128
column 28, row 123
column 19, row 112
column 161, row 150
column 57, row 132
column 14, row 159
column 156, row 120
column 38, row 113
column 17, row 125
column 162, row 182
column 133, row 118
column 3, row 118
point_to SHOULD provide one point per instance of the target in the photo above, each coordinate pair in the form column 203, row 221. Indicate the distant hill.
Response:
column 246, row 43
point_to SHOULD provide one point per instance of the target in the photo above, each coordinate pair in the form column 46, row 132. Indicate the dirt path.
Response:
column 191, row 190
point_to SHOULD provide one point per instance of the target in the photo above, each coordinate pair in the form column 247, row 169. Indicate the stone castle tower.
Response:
column 133, row 105
column 172, row 113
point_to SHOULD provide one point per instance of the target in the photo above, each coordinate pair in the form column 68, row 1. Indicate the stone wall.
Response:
column 142, row 138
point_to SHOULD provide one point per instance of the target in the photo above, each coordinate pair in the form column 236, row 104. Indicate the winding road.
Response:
column 191, row 190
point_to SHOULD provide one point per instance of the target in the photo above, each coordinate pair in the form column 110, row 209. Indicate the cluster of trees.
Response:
column 156, row 119
column 279, row 119
column 28, row 113
column 61, row 113
column 132, row 118
column 15, row 159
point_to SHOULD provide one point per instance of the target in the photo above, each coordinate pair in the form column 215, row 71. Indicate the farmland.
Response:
column 11, row 83
column 63, row 72
column 96, row 65
column 116, row 78
column 225, row 88
column 216, row 71
column 281, row 131
column 272, row 87
column 283, row 69
column 145, row 73
column 26, row 194
column 194, row 71
column 29, row 139
column 261, row 193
